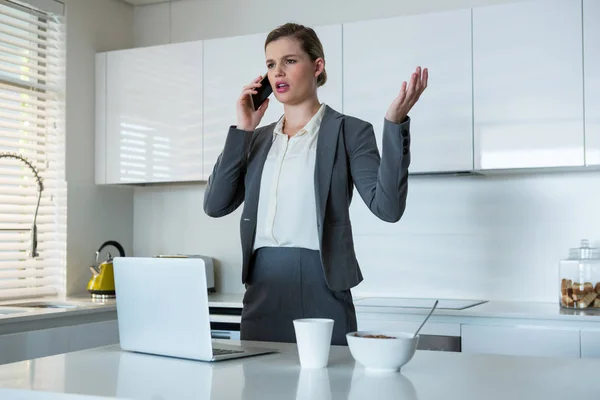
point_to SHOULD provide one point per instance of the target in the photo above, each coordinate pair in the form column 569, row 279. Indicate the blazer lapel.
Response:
column 326, row 149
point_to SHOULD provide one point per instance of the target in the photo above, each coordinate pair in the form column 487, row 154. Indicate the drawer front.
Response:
column 367, row 323
column 528, row 341
column 590, row 343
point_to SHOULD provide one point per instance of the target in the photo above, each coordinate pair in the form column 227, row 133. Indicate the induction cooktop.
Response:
column 408, row 302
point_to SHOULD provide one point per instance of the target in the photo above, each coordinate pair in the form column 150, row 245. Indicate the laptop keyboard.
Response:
column 222, row 352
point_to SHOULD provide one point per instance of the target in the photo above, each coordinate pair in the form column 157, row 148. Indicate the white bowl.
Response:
column 382, row 355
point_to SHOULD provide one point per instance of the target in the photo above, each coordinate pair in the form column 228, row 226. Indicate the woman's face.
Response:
column 292, row 74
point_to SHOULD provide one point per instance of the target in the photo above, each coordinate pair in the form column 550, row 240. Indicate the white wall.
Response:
column 462, row 237
column 94, row 214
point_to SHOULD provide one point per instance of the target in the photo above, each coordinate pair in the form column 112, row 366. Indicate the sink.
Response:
column 8, row 311
column 404, row 302
column 43, row 304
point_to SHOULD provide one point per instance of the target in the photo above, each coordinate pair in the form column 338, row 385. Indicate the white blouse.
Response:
column 287, row 211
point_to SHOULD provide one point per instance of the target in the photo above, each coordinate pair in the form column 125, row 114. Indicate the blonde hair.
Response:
column 307, row 38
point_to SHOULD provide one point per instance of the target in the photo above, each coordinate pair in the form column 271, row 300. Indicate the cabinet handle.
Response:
column 220, row 335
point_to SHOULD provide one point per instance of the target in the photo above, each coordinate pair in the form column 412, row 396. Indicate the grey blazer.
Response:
column 347, row 156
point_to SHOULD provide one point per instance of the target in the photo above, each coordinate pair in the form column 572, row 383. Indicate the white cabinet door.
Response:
column 100, row 117
column 528, row 85
column 94, row 334
column 231, row 63
column 33, row 344
column 46, row 342
column 331, row 92
column 380, row 54
column 591, row 60
column 154, row 114
column 522, row 340
column 590, row 343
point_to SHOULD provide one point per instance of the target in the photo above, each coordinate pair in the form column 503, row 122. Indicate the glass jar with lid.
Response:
column 579, row 278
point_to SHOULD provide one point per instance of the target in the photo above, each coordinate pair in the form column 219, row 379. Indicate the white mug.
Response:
column 313, row 338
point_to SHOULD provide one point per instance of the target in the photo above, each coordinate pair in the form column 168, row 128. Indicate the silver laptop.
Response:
column 162, row 309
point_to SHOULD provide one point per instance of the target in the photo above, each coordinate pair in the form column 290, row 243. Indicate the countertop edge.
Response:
column 481, row 311
column 85, row 306
column 492, row 309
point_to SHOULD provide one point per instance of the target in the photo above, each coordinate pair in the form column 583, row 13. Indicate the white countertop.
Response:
column 77, row 305
column 497, row 309
column 84, row 304
column 110, row 372
column 492, row 309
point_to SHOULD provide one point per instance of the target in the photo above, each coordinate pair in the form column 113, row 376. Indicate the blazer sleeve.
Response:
column 382, row 181
column 225, row 188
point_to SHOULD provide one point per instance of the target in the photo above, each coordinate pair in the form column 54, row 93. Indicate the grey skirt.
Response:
column 286, row 283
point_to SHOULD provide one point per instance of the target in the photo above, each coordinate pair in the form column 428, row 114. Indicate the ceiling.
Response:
column 144, row 2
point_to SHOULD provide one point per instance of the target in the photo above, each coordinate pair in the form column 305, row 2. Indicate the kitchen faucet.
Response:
column 40, row 187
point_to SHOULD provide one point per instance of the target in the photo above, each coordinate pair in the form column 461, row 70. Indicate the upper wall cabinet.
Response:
column 528, row 85
column 151, row 130
column 100, row 117
column 231, row 63
column 508, row 88
column 591, row 54
column 380, row 54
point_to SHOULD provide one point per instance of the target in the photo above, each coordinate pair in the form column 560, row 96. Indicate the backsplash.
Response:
column 471, row 237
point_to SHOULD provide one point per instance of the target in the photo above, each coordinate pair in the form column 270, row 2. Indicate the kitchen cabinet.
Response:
column 224, row 77
column 380, row 54
column 45, row 342
column 96, row 334
column 149, row 114
column 508, row 87
column 521, row 340
column 591, row 64
column 528, row 85
column 233, row 62
column 100, row 119
column 590, row 343
column 23, row 346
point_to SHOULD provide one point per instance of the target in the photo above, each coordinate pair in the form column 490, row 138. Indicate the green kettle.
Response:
column 102, row 283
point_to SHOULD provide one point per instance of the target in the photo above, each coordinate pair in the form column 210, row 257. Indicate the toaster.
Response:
column 209, row 267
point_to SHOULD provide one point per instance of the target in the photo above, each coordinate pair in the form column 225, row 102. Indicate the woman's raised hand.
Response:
column 406, row 99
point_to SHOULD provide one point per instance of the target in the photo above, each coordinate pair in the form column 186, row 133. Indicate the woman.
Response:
column 296, row 178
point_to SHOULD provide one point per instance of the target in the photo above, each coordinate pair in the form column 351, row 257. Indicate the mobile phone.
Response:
column 262, row 93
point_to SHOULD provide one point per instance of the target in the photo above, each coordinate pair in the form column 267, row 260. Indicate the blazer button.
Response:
column 405, row 152
column 404, row 133
column 405, row 142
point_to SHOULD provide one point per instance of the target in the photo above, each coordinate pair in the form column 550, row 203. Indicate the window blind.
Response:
column 32, row 87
